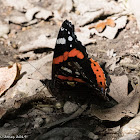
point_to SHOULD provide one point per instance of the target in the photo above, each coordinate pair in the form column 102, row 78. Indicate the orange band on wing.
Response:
column 100, row 77
column 77, row 53
column 69, row 78
column 65, row 56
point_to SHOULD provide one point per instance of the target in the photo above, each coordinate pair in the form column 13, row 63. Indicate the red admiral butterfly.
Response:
column 72, row 70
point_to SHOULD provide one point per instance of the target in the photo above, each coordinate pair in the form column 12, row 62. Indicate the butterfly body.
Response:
column 74, row 75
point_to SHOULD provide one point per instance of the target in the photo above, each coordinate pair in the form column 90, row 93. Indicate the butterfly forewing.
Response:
column 67, row 51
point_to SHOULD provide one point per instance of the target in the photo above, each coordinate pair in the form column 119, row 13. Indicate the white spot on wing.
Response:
column 68, row 32
column 77, row 73
column 66, row 69
column 70, row 38
column 70, row 45
column 62, row 29
column 61, row 41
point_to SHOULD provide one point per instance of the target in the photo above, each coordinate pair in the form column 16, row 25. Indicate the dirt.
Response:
column 6, row 55
column 24, row 118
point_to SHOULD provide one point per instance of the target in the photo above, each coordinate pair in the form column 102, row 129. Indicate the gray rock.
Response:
column 47, row 119
column 84, row 36
column 38, row 121
column 88, row 17
column 63, row 134
column 93, row 136
column 18, row 19
column 70, row 107
column 55, row 5
column 6, row 125
column 4, row 29
column 134, row 6
column 133, row 127
column 20, row 5
column 110, row 32
column 41, row 13
column 109, row 7
column 30, row 13
column 68, row 5
column 130, row 137
column 8, row 133
column 41, row 42
column 36, row 37
column 47, row 110
column 93, row 9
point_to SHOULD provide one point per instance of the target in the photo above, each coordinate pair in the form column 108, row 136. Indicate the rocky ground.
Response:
column 108, row 29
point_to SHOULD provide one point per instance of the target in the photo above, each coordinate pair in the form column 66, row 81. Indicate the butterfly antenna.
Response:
column 34, row 68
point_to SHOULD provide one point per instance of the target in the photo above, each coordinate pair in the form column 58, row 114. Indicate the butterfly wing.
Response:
column 71, row 62
column 67, row 50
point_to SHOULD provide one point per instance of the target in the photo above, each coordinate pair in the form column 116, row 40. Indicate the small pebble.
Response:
column 47, row 110
column 70, row 107
column 6, row 125
column 38, row 121
column 14, row 46
column 47, row 119
column 24, row 28
column 4, row 29
column 58, row 105
column 93, row 136
column 130, row 137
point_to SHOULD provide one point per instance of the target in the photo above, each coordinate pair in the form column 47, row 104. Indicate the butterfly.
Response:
column 74, row 75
